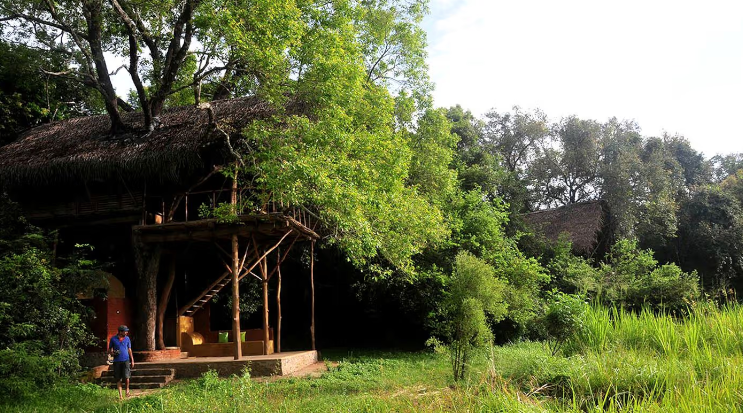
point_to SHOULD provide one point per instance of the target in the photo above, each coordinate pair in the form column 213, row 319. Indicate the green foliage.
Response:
column 710, row 230
column 667, row 287
column 631, row 277
column 624, row 361
column 566, row 170
column 563, row 318
column 28, row 97
column 432, row 147
column 41, row 321
column 475, row 297
column 571, row 273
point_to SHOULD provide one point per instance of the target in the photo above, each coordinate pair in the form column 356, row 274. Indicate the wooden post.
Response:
column 235, row 280
column 163, row 304
column 312, row 283
column 264, row 274
column 278, row 303
column 147, row 261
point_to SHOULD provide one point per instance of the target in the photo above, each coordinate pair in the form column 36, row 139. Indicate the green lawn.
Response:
column 621, row 362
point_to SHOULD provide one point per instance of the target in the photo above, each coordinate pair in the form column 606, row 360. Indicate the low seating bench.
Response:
column 207, row 344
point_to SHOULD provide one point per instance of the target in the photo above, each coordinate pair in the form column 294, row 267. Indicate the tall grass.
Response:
column 624, row 361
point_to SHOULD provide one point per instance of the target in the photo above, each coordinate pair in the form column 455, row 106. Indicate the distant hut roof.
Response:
column 583, row 222
column 83, row 148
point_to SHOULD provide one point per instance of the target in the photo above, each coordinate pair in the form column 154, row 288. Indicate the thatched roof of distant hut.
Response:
column 83, row 148
column 582, row 222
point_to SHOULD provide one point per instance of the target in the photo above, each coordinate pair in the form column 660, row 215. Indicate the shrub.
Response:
column 665, row 287
column 563, row 318
column 475, row 295
column 571, row 273
column 41, row 320
column 632, row 278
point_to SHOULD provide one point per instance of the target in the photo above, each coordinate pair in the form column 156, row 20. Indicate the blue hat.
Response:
column 123, row 328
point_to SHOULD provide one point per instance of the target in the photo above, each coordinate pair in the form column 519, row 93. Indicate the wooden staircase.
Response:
column 207, row 295
column 142, row 378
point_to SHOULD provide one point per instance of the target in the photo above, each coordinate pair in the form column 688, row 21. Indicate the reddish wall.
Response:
column 119, row 311
column 99, row 324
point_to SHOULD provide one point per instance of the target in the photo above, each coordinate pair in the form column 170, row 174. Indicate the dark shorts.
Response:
column 122, row 370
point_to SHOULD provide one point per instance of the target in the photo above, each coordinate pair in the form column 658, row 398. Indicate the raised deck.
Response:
column 277, row 364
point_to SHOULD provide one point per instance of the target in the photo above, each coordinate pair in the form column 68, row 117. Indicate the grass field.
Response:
column 619, row 362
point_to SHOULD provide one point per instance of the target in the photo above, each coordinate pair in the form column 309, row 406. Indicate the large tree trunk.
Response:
column 147, row 259
column 163, row 304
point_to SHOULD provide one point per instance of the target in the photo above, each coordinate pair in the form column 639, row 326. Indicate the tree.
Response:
column 567, row 168
column 514, row 138
column 393, row 45
column 725, row 165
column 477, row 167
column 622, row 174
column 28, row 97
column 710, row 230
column 248, row 47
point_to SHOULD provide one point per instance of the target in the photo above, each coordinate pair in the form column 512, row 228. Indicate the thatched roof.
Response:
column 83, row 149
column 583, row 222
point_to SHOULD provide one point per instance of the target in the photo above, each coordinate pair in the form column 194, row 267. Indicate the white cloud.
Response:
column 675, row 66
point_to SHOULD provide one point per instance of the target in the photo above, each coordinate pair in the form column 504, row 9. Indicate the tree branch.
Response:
column 37, row 20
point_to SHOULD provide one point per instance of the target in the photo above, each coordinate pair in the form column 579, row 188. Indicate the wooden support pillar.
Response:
column 278, row 304
column 264, row 275
column 235, row 280
column 147, row 260
column 162, row 305
column 312, row 284
column 236, row 298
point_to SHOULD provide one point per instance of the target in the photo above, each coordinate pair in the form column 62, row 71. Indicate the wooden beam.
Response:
column 266, row 336
column 265, row 253
column 312, row 283
column 157, row 234
column 235, row 279
column 280, row 259
column 278, row 302
column 236, row 298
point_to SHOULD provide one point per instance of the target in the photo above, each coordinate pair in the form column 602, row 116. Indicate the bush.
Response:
column 665, row 287
column 563, row 318
column 632, row 278
column 475, row 296
column 41, row 321
column 571, row 273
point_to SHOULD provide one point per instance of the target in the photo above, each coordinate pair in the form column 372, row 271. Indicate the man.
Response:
column 121, row 348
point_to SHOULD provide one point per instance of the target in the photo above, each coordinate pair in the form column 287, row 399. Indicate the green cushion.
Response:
column 223, row 337
column 242, row 336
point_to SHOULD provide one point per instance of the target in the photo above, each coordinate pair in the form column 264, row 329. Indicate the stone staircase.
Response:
column 142, row 378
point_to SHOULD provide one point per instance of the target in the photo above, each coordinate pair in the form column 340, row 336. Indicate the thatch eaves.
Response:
column 82, row 149
column 584, row 224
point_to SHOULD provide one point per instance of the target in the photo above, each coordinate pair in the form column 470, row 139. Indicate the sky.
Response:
column 673, row 66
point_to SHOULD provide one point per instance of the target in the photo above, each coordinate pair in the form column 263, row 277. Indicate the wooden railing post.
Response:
column 312, row 284
column 235, row 281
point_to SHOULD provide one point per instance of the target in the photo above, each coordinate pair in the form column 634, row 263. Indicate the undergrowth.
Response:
column 621, row 361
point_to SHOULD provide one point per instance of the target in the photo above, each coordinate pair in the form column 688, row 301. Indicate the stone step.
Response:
column 144, row 372
column 141, row 379
column 136, row 386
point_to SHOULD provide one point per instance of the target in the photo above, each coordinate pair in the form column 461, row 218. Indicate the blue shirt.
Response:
column 123, row 346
